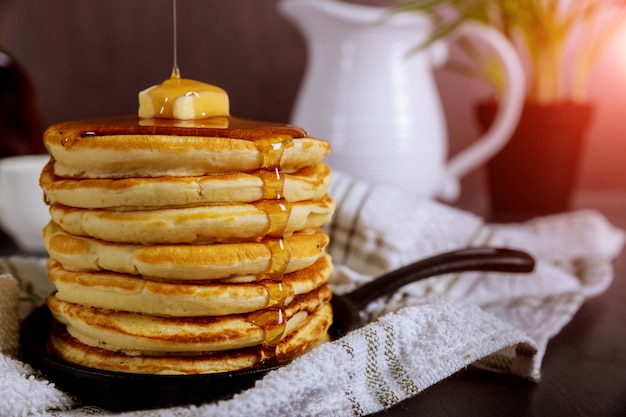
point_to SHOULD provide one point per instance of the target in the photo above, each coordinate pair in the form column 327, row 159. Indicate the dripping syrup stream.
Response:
column 278, row 212
column 175, row 69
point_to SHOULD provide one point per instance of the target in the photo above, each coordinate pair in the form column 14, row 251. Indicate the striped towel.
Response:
column 423, row 333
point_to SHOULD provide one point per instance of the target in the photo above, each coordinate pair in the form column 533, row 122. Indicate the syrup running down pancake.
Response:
column 127, row 146
column 198, row 224
column 309, row 334
column 309, row 183
column 187, row 262
column 125, row 292
column 143, row 334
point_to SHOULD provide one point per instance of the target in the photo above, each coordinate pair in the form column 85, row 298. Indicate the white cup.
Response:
column 23, row 213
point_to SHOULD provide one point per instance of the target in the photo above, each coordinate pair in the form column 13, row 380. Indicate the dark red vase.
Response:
column 536, row 171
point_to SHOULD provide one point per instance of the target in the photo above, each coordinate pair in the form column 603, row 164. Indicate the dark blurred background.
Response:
column 91, row 58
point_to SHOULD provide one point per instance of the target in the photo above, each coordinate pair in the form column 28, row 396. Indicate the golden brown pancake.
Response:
column 200, row 224
column 73, row 351
column 107, row 290
column 309, row 183
column 142, row 334
column 127, row 146
column 187, row 262
column 311, row 332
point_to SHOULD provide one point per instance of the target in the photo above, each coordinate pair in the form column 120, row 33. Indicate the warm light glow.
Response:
column 602, row 165
column 618, row 50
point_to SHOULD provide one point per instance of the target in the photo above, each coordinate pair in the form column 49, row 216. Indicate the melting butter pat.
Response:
column 183, row 99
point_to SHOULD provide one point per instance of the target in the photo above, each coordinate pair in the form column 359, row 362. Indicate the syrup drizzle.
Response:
column 280, row 255
column 272, row 149
column 272, row 319
column 278, row 211
column 175, row 70
column 279, row 294
column 273, row 322
column 273, row 184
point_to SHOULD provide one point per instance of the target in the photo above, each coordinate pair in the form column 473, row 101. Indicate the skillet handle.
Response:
column 462, row 260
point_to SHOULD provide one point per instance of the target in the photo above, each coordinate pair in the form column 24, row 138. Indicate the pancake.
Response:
column 309, row 183
column 187, row 262
column 71, row 350
column 201, row 224
column 141, row 334
column 127, row 146
column 112, row 291
column 310, row 333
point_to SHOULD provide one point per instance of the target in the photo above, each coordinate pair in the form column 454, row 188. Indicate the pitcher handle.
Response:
column 506, row 118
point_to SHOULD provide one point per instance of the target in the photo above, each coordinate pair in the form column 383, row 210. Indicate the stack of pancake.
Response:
column 186, row 246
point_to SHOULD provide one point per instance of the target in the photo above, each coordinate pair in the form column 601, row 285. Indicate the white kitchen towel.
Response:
column 22, row 392
column 420, row 335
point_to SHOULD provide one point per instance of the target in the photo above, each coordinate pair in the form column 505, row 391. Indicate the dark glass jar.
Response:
column 21, row 123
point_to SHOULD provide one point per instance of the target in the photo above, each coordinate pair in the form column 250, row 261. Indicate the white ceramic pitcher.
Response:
column 376, row 102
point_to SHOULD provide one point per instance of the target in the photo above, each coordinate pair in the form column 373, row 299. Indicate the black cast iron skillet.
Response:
column 118, row 391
